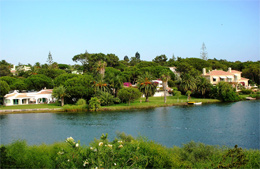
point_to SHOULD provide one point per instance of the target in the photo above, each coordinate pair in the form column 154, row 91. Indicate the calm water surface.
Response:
column 214, row 124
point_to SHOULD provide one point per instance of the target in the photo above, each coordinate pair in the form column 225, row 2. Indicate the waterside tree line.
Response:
column 104, row 74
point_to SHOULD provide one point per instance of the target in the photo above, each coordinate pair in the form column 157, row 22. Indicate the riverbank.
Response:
column 138, row 104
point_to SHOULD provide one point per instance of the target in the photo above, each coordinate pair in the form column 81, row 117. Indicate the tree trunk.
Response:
column 62, row 101
column 164, row 96
column 146, row 100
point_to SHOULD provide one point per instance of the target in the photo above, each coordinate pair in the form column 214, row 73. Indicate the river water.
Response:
column 214, row 124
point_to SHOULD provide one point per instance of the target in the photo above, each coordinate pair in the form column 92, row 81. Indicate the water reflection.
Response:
column 214, row 124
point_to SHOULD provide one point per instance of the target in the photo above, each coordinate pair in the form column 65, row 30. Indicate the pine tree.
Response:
column 204, row 53
column 50, row 60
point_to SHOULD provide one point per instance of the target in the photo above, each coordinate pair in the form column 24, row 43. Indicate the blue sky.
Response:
column 30, row 29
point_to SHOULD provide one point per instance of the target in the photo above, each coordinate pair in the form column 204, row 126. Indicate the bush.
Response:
column 124, row 152
column 171, row 83
column 75, row 108
column 81, row 102
column 246, row 91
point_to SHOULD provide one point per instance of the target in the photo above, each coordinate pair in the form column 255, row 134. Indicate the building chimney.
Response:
column 204, row 71
column 14, row 67
column 229, row 69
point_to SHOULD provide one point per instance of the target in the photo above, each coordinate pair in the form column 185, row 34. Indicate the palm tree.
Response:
column 165, row 76
column 115, row 82
column 60, row 93
column 203, row 85
column 94, row 103
column 178, row 94
column 101, row 65
column 188, row 94
column 188, row 83
column 145, row 85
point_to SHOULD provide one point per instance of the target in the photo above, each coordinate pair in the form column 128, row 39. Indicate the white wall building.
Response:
column 15, row 98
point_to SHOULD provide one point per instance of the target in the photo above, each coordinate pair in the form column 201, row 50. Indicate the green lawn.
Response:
column 30, row 106
column 157, row 102
column 153, row 102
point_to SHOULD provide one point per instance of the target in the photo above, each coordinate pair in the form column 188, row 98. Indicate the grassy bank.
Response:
column 138, row 104
column 30, row 106
column 157, row 102
column 125, row 152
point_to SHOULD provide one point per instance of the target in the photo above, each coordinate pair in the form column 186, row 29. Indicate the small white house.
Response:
column 15, row 98
column 159, row 91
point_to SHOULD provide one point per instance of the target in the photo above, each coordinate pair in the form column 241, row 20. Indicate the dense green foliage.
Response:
column 225, row 92
column 105, row 72
column 127, row 95
column 125, row 152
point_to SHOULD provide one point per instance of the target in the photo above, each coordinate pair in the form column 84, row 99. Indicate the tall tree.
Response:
column 203, row 86
column 188, row 82
column 162, row 59
column 204, row 53
column 50, row 60
column 146, row 86
column 4, row 90
column 126, row 59
column 165, row 76
column 101, row 65
column 60, row 93
column 137, row 56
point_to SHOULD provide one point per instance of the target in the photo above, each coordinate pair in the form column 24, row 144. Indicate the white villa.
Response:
column 20, row 68
column 160, row 92
column 231, row 76
column 15, row 98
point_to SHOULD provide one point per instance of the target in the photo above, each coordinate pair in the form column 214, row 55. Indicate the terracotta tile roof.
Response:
column 235, row 71
column 10, row 95
column 242, row 78
column 219, row 73
column 21, row 95
column 45, row 91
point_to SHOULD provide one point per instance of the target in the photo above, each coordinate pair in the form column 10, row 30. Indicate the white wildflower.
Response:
column 68, row 160
column 120, row 141
column 91, row 148
column 120, row 146
column 60, row 153
column 85, row 162
column 70, row 139
column 100, row 144
column 114, row 163
column 77, row 145
column 95, row 150
column 110, row 145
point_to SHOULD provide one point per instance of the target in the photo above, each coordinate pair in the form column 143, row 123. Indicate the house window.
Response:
column 7, row 101
column 214, row 79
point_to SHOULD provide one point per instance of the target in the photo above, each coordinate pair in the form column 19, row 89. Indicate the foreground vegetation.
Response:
column 125, row 152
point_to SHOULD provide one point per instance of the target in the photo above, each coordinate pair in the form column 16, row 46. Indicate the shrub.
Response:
column 94, row 104
column 124, row 152
column 246, row 91
column 81, row 102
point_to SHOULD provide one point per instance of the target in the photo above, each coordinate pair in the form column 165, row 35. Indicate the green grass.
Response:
column 157, row 102
column 30, row 106
column 138, row 104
